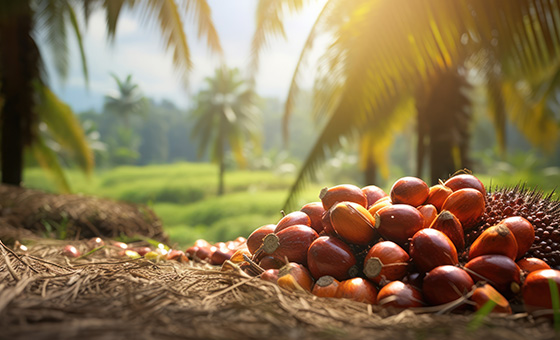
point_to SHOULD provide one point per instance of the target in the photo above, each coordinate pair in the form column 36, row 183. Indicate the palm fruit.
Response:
column 543, row 211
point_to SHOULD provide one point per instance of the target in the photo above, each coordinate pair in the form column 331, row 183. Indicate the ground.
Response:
column 107, row 295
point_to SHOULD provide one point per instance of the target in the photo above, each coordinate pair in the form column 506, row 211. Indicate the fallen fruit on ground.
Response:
column 452, row 246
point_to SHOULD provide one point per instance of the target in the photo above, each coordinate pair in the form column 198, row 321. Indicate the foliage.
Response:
column 24, row 89
column 385, row 55
column 226, row 115
column 127, row 101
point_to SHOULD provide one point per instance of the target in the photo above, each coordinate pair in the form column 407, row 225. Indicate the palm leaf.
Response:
column 269, row 24
column 64, row 127
column 171, row 29
column 48, row 160
column 202, row 13
column 51, row 20
column 77, row 32
column 294, row 85
column 166, row 15
column 398, row 47
column 113, row 10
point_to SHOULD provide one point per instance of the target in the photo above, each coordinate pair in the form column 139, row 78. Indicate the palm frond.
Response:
column 166, row 15
column 385, row 51
column 48, row 160
column 541, row 127
column 113, row 9
column 51, row 19
column 77, row 32
column 202, row 14
column 294, row 84
column 64, row 127
column 269, row 24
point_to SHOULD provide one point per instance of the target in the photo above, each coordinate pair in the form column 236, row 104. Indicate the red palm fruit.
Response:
column 398, row 222
column 270, row 275
column 437, row 195
column 448, row 224
column 202, row 253
column 295, row 277
column 353, row 223
column 464, row 181
column 357, row 289
column 71, row 251
column 177, row 255
column 532, row 264
column 409, row 190
column 536, row 289
column 329, row 255
column 291, row 243
column 327, row 225
column 231, row 245
column 293, row 218
column 191, row 251
column 498, row 270
column 220, row 255
column 497, row 240
column 523, row 231
column 380, row 204
column 430, row 248
column 444, row 284
column 254, row 241
column 386, row 261
column 271, row 262
column 373, row 193
column 325, row 286
column 342, row 193
column 468, row 205
column 315, row 212
column 429, row 212
column 399, row 295
column 240, row 240
column 202, row 243
column 486, row 293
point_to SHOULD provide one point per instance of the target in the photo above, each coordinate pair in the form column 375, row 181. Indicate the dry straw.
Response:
column 44, row 295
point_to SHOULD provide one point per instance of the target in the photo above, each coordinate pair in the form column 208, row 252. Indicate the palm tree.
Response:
column 225, row 115
column 390, row 62
column 128, row 101
column 24, row 95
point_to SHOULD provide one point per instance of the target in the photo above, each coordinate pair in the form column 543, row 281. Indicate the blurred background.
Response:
column 218, row 114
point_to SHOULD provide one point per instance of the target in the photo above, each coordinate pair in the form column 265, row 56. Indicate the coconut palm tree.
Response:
column 225, row 116
column 127, row 101
column 392, row 62
column 25, row 98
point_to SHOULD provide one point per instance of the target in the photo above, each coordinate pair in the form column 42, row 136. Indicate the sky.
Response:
column 138, row 50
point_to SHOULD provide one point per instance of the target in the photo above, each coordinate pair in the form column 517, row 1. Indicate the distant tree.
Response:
column 25, row 99
column 225, row 116
column 128, row 101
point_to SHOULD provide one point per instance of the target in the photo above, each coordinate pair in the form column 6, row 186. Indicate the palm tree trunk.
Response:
column 370, row 172
column 18, row 62
column 444, row 120
column 221, row 156
column 221, row 176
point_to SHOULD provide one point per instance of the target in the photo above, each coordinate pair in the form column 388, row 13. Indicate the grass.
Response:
column 184, row 196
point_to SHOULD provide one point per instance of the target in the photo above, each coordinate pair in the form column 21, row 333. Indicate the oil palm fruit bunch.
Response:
column 415, row 246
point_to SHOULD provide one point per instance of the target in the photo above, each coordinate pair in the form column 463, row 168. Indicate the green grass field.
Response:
column 184, row 196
